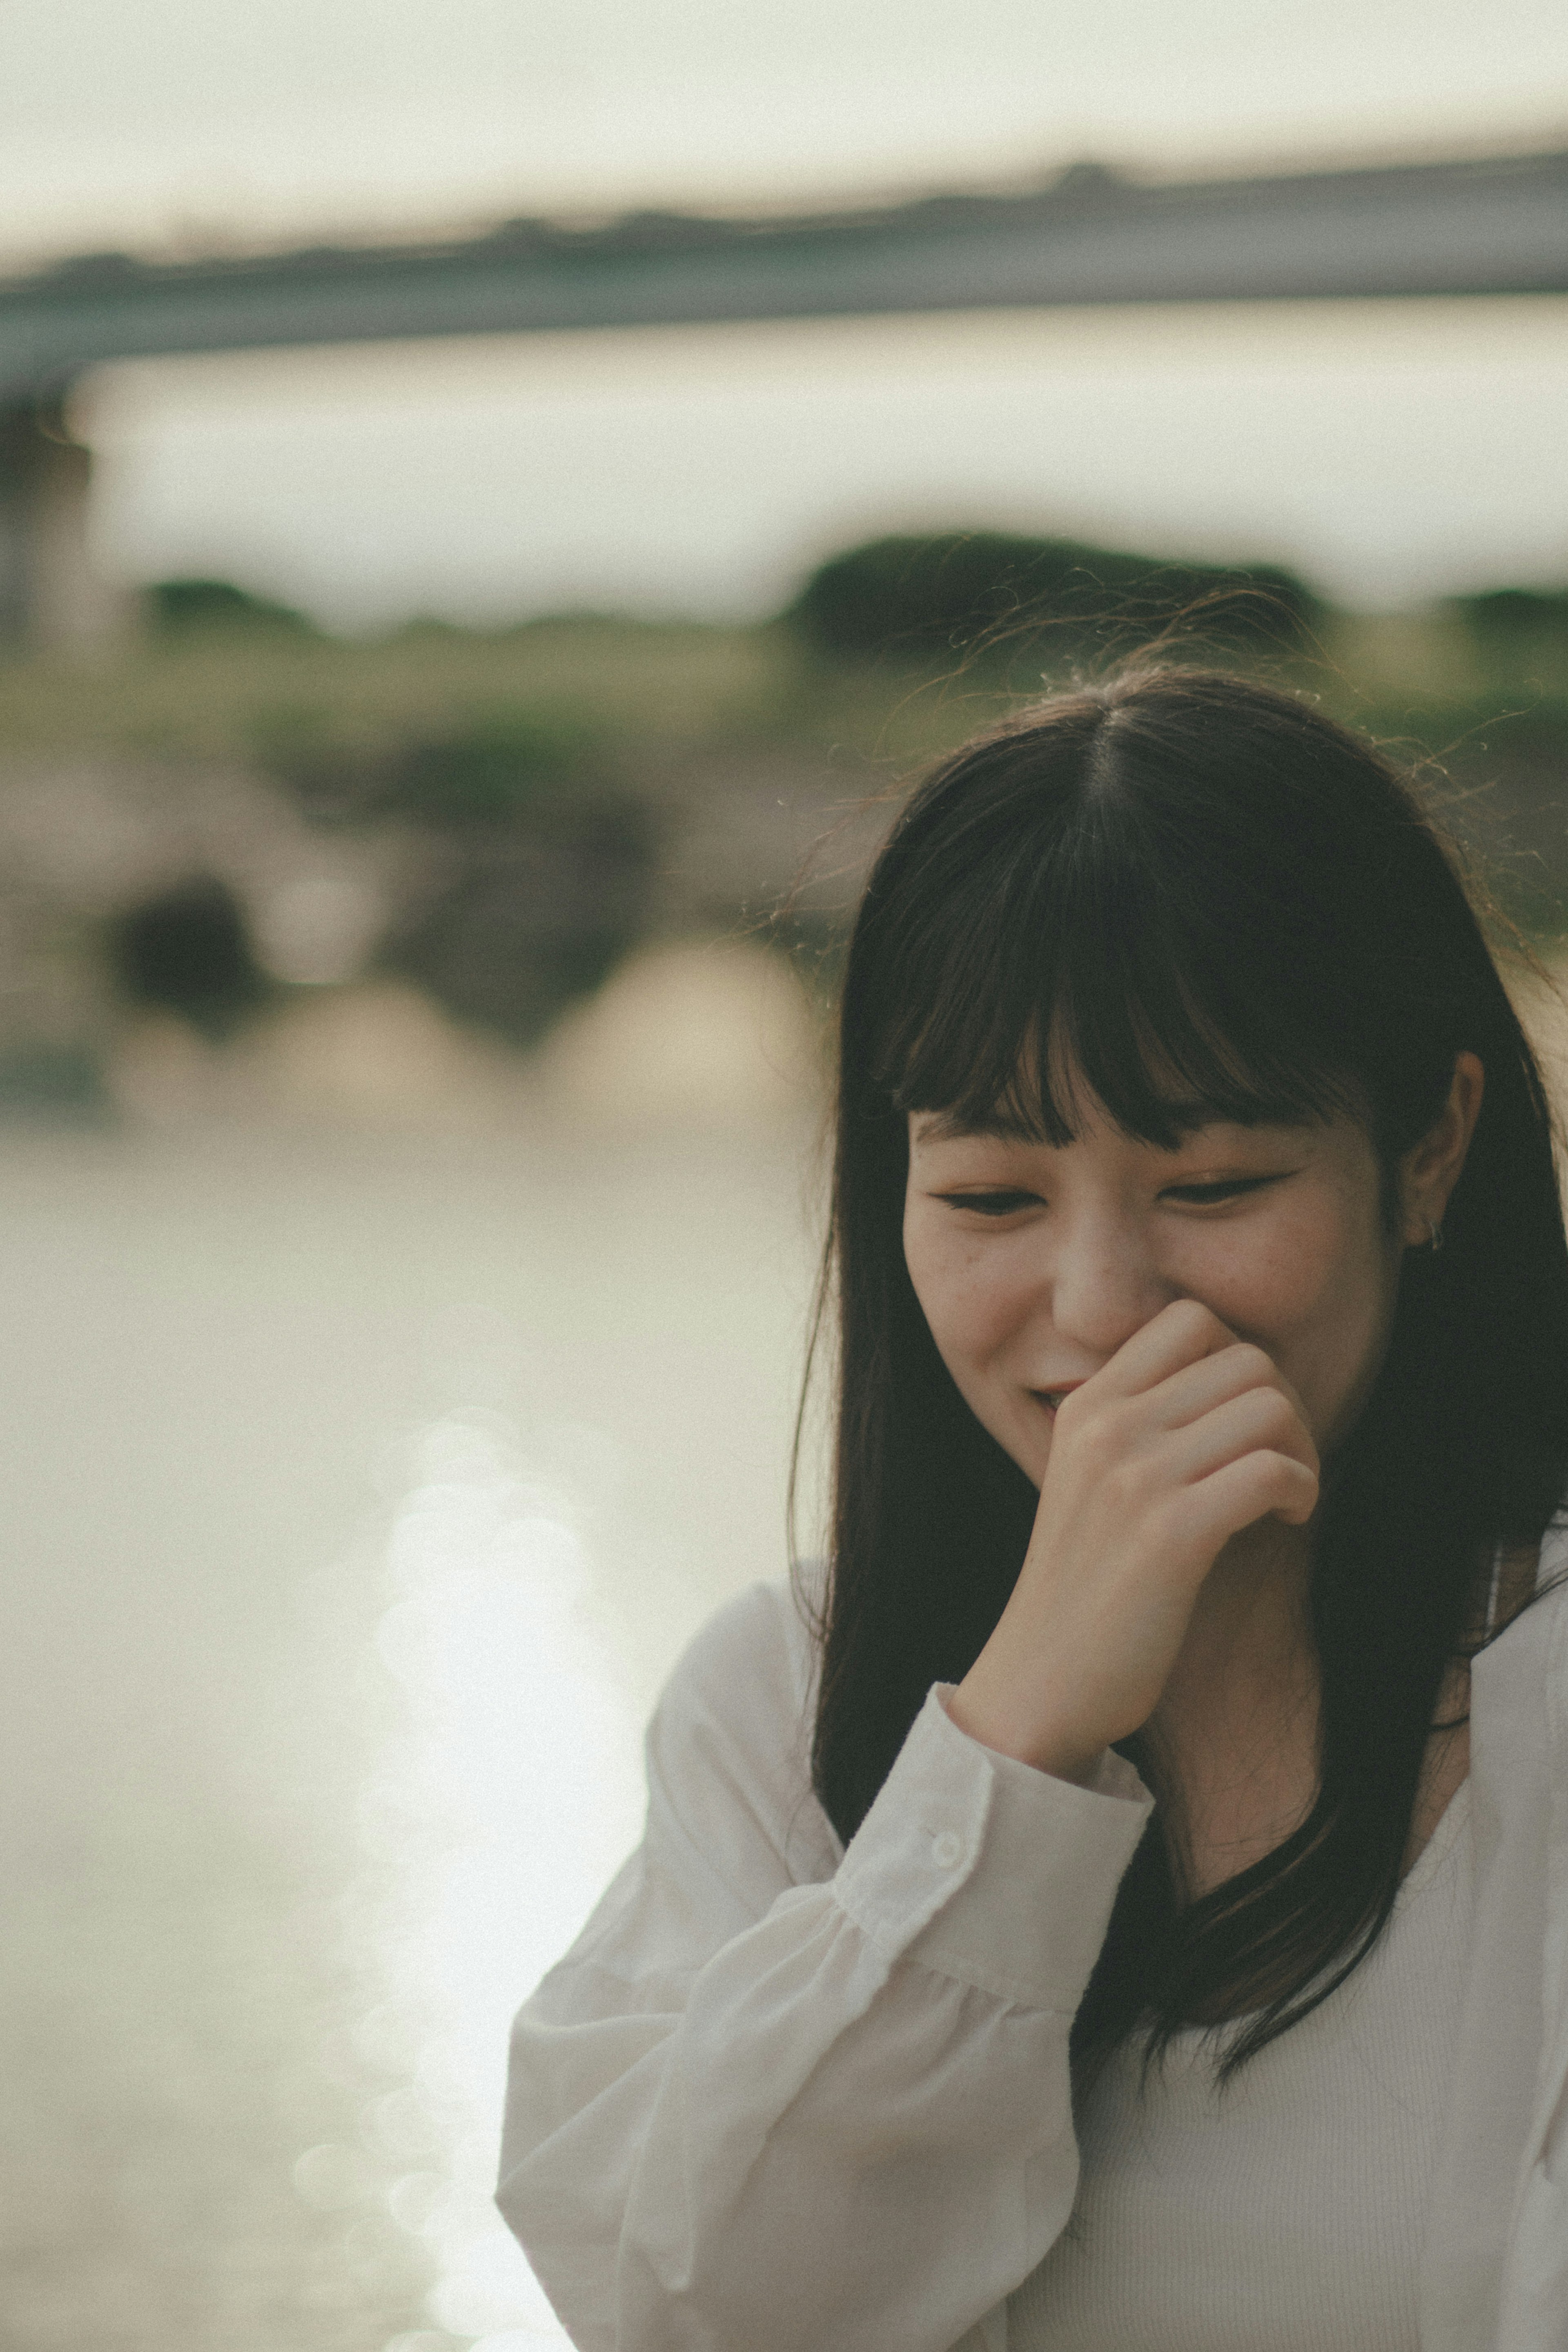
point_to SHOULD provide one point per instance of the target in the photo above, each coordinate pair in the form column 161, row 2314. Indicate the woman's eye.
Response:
column 991, row 1204
column 1226, row 1188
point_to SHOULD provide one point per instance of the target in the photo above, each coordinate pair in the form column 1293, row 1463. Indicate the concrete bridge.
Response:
column 1496, row 225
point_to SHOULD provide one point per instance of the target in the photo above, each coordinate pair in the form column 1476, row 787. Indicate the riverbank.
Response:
column 207, row 823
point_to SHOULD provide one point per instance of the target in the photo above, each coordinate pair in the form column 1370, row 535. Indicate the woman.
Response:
column 1114, row 1912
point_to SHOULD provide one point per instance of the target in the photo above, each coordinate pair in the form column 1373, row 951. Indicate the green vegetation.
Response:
column 186, row 951
column 175, row 604
column 909, row 597
column 567, row 732
column 298, row 703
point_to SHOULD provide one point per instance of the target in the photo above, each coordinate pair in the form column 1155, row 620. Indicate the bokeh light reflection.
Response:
column 505, row 1797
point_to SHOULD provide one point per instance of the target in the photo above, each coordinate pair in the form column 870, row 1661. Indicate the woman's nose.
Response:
column 1105, row 1286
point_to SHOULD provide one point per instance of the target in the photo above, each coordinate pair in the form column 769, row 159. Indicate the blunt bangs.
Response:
column 1063, row 962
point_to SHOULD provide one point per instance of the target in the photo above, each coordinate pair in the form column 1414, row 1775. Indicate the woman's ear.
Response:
column 1430, row 1169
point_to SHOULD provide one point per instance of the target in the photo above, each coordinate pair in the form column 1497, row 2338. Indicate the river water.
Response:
column 361, row 1483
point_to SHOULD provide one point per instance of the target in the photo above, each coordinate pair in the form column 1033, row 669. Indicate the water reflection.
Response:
column 502, row 1804
column 360, row 1485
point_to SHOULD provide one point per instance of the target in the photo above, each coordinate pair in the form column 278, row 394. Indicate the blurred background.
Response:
column 493, row 503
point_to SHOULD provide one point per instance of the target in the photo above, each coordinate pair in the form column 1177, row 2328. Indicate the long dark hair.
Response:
column 1188, row 876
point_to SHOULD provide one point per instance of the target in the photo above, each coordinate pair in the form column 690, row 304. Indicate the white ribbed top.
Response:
column 1285, row 2214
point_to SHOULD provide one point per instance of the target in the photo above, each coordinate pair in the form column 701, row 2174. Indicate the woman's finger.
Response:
column 1198, row 1387
column 1261, row 1420
column 1181, row 1334
column 1259, row 1484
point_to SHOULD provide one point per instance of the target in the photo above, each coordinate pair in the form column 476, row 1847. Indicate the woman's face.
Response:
column 1033, row 1262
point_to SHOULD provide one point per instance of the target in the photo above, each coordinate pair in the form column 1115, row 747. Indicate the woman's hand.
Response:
column 1184, row 1438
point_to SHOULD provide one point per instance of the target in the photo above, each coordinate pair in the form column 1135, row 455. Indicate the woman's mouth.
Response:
column 1052, row 1398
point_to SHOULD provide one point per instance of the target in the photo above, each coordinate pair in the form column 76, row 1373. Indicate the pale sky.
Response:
column 180, row 120
column 1393, row 451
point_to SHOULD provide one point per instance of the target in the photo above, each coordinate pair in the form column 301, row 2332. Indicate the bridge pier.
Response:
column 50, row 596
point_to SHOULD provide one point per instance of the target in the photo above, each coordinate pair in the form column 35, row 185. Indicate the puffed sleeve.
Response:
column 788, row 2098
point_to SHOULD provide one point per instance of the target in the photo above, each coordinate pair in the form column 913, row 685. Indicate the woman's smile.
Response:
column 1050, row 1397
column 1034, row 1263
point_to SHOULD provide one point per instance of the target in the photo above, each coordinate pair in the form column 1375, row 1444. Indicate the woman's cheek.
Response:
column 966, row 1325
column 954, row 1278
column 970, row 1310
column 1313, row 1293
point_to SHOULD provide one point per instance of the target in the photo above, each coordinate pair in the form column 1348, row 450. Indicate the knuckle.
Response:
column 1250, row 1362
column 1099, row 1435
column 1288, row 1470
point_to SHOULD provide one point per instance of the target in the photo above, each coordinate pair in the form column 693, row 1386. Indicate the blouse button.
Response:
column 947, row 1850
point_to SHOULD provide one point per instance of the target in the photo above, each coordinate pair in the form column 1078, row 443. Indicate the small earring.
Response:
column 1437, row 1235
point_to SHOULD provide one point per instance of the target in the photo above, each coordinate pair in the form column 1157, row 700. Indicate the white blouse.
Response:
column 779, row 2097
column 1285, row 2213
